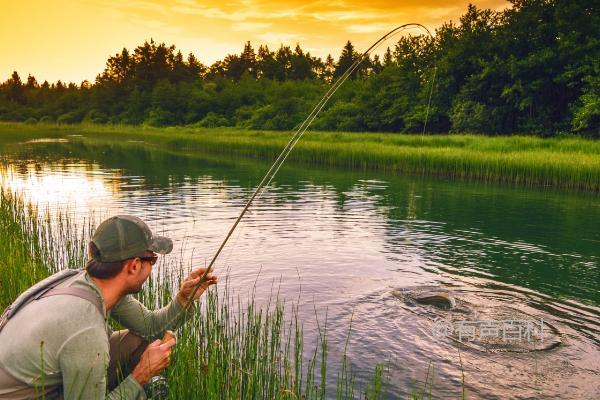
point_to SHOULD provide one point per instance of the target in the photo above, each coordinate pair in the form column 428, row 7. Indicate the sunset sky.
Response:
column 70, row 40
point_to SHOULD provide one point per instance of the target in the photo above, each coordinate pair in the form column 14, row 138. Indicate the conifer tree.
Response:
column 347, row 58
column 388, row 58
column 328, row 69
column 15, row 88
column 248, row 60
column 31, row 82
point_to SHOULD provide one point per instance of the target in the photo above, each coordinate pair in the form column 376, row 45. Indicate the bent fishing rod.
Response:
column 266, row 180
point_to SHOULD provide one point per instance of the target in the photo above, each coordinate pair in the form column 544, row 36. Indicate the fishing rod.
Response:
column 266, row 180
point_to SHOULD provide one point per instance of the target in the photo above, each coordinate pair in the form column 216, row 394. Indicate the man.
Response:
column 61, row 345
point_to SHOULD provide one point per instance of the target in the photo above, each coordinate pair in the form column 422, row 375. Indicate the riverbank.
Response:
column 566, row 163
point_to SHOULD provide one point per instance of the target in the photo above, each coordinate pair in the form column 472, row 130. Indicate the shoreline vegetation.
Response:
column 230, row 349
column 565, row 163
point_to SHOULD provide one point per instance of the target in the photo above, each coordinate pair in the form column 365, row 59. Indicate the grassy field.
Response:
column 226, row 351
column 571, row 163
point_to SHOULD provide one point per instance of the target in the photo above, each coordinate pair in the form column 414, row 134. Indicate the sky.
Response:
column 71, row 40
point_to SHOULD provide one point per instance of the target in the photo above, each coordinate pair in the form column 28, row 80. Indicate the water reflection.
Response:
column 349, row 239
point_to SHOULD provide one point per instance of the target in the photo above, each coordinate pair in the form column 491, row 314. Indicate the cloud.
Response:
column 155, row 24
column 443, row 13
column 245, row 11
column 249, row 26
column 278, row 38
column 146, row 5
column 368, row 28
column 345, row 15
column 208, row 12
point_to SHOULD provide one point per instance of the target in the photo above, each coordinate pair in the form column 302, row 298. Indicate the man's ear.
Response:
column 132, row 267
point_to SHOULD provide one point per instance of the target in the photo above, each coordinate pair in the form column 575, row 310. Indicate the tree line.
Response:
column 532, row 68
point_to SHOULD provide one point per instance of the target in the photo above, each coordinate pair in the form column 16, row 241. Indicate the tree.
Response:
column 586, row 115
column 388, row 58
column 165, row 103
column 376, row 66
column 266, row 64
column 317, row 66
column 328, row 69
column 347, row 58
column 179, row 69
column 218, row 68
column 248, row 60
column 300, row 65
column 118, row 69
column 283, row 57
column 151, row 63
column 233, row 67
column 31, row 82
column 195, row 68
column 16, row 90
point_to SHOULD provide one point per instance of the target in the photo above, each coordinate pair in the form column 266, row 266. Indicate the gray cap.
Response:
column 124, row 236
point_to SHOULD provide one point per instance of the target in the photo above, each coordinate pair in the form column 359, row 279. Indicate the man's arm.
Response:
column 151, row 324
column 83, row 361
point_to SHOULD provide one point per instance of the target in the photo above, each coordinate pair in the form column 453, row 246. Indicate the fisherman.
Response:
column 60, row 344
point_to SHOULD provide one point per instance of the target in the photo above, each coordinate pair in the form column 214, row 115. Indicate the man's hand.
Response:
column 190, row 282
column 154, row 360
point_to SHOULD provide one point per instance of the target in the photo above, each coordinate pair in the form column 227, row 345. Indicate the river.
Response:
column 364, row 245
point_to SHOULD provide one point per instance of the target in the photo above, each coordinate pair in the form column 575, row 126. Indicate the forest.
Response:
column 533, row 68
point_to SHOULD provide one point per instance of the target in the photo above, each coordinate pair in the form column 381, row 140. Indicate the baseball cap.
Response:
column 124, row 236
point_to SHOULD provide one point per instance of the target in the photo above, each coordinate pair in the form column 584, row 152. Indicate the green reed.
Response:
column 572, row 163
column 33, row 245
column 228, row 349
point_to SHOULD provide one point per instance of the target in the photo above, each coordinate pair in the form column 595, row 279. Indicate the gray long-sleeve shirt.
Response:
column 64, row 340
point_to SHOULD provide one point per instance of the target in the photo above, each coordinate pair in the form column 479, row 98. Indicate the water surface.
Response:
column 344, row 242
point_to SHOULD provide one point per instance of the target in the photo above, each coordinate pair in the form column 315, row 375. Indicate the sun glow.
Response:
column 49, row 186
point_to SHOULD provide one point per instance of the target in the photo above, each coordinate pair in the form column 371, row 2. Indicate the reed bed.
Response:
column 569, row 163
column 227, row 350
column 33, row 247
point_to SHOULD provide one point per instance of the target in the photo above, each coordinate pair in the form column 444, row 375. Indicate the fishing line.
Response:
column 429, row 101
column 266, row 180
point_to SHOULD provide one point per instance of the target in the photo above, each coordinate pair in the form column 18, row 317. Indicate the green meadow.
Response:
column 566, row 163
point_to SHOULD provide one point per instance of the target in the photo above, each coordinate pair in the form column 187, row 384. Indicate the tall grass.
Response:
column 572, row 163
column 226, row 350
column 33, row 247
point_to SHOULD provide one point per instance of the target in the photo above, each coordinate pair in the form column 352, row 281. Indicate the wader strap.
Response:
column 35, row 292
column 77, row 292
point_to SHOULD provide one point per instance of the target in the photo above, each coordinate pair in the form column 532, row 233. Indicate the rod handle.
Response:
column 168, row 336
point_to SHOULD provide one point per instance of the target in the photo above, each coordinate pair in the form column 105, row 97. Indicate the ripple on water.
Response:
column 483, row 321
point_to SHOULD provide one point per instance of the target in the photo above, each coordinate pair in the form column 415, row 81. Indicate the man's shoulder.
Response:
column 73, row 301
column 82, row 286
column 67, row 310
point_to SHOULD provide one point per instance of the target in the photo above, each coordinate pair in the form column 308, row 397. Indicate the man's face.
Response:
column 144, row 269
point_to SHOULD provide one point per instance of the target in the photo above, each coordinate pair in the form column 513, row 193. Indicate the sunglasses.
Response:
column 150, row 259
